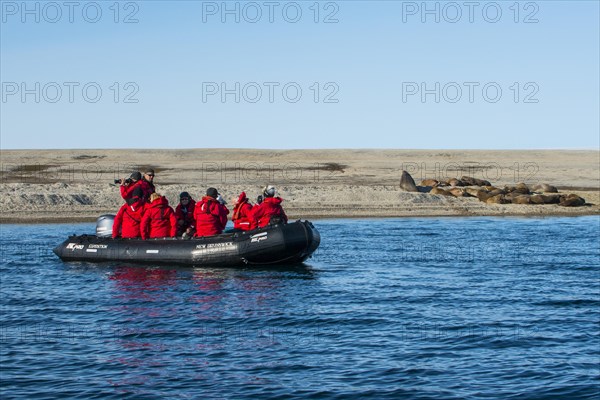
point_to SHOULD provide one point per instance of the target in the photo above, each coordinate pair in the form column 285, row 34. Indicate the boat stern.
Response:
column 314, row 238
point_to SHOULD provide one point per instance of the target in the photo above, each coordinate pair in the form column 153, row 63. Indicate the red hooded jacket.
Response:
column 242, row 213
column 270, row 207
column 128, row 219
column 186, row 214
column 126, row 191
column 211, row 217
column 159, row 220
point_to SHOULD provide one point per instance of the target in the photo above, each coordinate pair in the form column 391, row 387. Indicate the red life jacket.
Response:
column 159, row 220
column 242, row 213
column 211, row 217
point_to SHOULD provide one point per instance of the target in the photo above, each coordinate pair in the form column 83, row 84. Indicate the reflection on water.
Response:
column 198, row 314
column 208, row 293
column 147, row 284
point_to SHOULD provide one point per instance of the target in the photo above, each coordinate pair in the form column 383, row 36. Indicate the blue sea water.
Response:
column 443, row 308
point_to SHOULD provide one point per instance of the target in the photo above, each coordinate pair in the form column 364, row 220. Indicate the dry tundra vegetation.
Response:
column 78, row 185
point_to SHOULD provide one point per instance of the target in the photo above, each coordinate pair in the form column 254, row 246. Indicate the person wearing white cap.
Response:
column 269, row 212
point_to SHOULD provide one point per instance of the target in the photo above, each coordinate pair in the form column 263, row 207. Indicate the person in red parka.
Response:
column 210, row 214
column 128, row 185
column 242, row 213
column 268, row 212
column 159, row 219
column 135, row 180
column 128, row 219
column 147, row 183
column 184, row 213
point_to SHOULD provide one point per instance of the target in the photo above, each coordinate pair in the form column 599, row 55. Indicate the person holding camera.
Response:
column 135, row 180
column 128, row 185
column 210, row 214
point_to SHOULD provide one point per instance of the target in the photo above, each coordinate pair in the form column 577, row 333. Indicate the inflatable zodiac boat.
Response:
column 276, row 244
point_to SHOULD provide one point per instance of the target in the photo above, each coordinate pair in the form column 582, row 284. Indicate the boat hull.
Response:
column 277, row 244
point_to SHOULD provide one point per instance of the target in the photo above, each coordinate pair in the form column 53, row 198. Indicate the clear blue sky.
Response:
column 370, row 68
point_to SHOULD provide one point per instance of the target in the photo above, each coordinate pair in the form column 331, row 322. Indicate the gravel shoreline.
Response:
column 67, row 186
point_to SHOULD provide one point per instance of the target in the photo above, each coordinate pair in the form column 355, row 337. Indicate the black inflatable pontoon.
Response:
column 276, row 244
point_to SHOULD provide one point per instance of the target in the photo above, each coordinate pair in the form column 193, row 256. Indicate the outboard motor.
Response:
column 104, row 225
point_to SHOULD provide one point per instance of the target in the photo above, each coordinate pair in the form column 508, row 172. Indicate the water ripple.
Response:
column 419, row 309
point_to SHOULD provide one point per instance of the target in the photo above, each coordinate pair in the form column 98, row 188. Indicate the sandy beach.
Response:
column 78, row 185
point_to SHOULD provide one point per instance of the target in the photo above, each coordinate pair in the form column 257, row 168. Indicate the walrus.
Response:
column 437, row 190
column 430, row 182
column 537, row 199
column 455, row 182
column 571, row 200
column 474, row 181
column 483, row 195
column 458, row 192
column 497, row 199
column 521, row 199
column 551, row 198
column 545, row 188
column 496, row 192
column 407, row 183
column 521, row 188
column 473, row 191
